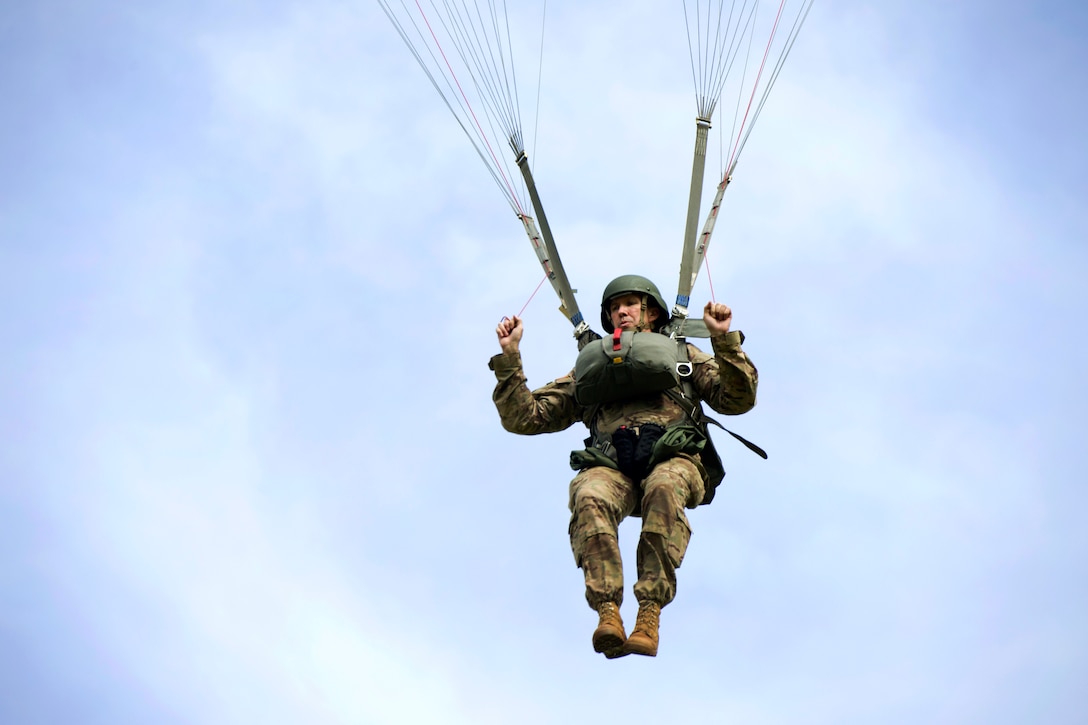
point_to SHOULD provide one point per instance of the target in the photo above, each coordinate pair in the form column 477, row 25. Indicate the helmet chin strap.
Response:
column 642, row 325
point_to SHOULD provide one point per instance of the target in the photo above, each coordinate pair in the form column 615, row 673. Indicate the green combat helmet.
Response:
column 635, row 284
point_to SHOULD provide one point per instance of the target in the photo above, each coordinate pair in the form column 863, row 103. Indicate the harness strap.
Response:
column 548, row 254
column 695, row 412
column 685, row 398
column 747, row 443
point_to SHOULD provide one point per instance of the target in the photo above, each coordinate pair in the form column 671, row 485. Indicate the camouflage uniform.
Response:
column 601, row 497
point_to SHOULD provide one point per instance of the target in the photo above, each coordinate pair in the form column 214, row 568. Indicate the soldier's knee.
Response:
column 600, row 487
column 678, row 468
column 587, row 504
column 675, row 482
column 664, row 492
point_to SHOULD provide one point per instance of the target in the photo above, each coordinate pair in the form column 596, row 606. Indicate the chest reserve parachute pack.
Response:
column 627, row 365
column 736, row 53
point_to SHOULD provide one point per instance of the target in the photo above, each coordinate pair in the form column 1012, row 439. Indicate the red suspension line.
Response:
column 755, row 86
column 541, row 284
column 479, row 128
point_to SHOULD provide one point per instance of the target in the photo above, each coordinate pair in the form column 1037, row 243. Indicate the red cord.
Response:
column 469, row 105
column 532, row 295
column 755, row 86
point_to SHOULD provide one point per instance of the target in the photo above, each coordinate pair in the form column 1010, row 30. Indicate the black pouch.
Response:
column 625, row 440
column 634, row 450
column 648, row 436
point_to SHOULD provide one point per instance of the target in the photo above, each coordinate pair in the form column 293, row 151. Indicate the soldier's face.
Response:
column 624, row 311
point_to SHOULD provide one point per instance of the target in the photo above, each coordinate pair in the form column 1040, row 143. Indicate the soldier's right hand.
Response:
column 510, row 331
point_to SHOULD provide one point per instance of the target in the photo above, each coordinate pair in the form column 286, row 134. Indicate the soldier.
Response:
column 648, row 454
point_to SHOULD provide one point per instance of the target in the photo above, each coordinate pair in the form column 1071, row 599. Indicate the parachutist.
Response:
column 607, row 389
column 648, row 454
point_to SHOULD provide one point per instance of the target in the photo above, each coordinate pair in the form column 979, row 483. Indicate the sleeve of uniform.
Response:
column 726, row 381
column 544, row 410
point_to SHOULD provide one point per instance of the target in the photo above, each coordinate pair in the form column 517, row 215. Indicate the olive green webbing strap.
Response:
column 548, row 255
column 697, row 415
column 688, row 270
column 747, row 443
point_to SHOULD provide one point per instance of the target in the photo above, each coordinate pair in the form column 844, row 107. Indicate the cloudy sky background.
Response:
column 250, row 270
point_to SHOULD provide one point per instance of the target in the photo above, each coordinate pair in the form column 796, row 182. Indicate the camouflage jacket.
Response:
column 726, row 381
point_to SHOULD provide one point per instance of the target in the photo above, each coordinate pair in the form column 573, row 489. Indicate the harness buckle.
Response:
column 684, row 369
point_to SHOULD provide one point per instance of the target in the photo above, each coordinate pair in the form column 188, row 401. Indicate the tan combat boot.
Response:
column 643, row 640
column 609, row 636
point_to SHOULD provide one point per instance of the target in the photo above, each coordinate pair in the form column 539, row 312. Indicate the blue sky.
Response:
column 250, row 472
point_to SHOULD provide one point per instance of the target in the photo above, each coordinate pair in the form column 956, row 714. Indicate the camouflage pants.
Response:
column 601, row 497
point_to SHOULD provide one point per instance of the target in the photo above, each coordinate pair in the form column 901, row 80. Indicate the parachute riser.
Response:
column 683, row 299
column 698, row 171
column 548, row 254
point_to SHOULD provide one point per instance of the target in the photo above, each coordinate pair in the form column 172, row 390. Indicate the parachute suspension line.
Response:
column 720, row 38
column 715, row 73
column 755, row 86
column 517, row 143
column 718, row 54
column 539, row 73
column 477, row 136
column 695, row 77
column 493, row 81
column 791, row 39
column 497, row 175
column 734, row 133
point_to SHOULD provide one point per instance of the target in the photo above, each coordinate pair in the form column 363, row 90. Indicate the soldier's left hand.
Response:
column 717, row 318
